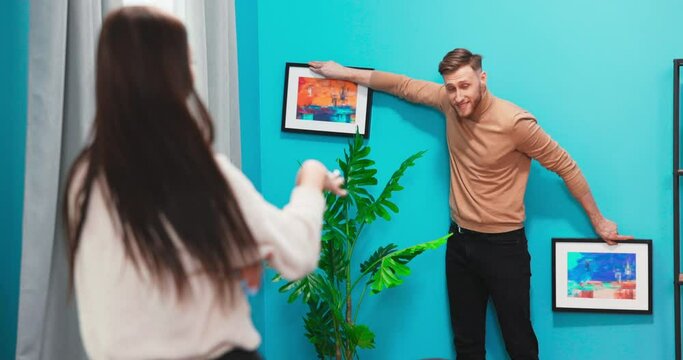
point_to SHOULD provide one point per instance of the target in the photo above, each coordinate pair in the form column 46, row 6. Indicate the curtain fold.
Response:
column 211, row 28
column 62, row 43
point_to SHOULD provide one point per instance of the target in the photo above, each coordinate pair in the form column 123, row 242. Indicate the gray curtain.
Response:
column 63, row 37
column 211, row 28
column 62, row 43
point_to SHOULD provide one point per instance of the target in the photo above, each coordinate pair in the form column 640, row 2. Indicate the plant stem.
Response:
column 360, row 277
column 330, row 244
column 348, row 276
column 360, row 229
column 353, row 246
column 360, row 301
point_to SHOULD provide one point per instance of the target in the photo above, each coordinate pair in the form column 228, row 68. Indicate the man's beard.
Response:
column 472, row 106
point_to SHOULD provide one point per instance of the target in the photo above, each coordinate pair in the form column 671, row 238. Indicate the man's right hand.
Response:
column 332, row 70
column 329, row 69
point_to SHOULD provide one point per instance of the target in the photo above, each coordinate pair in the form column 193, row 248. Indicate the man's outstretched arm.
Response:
column 332, row 70
column 416, row 91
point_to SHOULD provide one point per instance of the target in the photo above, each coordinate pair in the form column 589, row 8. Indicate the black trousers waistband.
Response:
column 455, row 228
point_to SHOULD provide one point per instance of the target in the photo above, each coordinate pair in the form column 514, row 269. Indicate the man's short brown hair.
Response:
column 457, row 58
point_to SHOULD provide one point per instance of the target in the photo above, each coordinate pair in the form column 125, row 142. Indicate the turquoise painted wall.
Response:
column 247, row 58
column 247, row 53
column 14, row 27
column 598, row 77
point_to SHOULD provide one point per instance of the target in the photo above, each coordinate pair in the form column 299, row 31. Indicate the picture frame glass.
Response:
column 593, row 276
column 313, row 103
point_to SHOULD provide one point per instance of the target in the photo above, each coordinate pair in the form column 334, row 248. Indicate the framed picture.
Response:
column 591, row 276
column 314, row 104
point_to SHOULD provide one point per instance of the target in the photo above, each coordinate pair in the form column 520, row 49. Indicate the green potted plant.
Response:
column 331, row 322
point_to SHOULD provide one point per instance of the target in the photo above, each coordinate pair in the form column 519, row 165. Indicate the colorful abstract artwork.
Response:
column 326, row 100
column 601, row 275
column 589, row 275
column 314, row 104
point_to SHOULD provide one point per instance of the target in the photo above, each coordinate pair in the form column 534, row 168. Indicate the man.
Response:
column 491, row 143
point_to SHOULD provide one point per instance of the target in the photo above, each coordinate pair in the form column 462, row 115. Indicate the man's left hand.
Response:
column 607, row 230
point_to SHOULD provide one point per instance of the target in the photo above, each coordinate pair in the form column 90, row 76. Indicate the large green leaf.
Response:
column 333, row 255
column 372, row 263
column 308, row 288
column 381, row 206
column 392, row 267
column 360, row 336
column 332, row 296
column 334, row 206
column 356, row 167
column 319, row 325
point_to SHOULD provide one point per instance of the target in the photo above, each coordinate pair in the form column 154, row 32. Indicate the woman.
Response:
column 161, row 231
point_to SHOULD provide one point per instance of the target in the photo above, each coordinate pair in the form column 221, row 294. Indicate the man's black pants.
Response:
column 479, row 266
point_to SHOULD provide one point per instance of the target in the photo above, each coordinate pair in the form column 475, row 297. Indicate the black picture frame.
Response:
column 593, row 295
column 352, row 115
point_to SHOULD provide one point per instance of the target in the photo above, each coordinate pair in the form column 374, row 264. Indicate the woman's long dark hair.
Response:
column 151, row 152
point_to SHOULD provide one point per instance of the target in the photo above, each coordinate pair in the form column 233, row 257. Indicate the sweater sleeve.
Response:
column 530, row 139
column 416, row 91
column 288, row 238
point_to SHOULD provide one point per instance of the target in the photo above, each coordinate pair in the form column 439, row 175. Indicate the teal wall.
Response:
column 598, row 77
column 247, row 58
column 14, row 78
